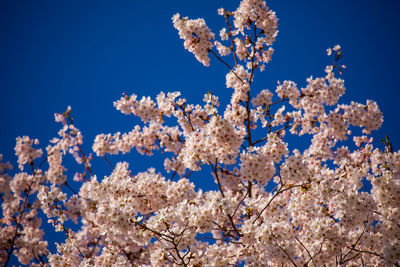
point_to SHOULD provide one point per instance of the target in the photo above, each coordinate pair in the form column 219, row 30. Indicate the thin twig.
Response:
column 226, row 64
column 214, row 168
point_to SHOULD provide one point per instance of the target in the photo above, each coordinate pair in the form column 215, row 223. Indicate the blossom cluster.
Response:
column 334, row 201
column 197, row 36
column 251, row 15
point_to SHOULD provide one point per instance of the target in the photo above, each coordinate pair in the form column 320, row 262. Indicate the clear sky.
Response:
column 87, row 53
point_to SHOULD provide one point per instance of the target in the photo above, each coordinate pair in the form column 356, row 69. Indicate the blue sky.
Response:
column 87, row 53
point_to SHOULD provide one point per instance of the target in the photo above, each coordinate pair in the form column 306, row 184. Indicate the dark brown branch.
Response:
column 280, row 191
column 9, row 253
column 109, row 163
column 226, row 64
column 308, row 252
column 287, row 254
column 215, row 169
column 231, row 39
column 238, row 205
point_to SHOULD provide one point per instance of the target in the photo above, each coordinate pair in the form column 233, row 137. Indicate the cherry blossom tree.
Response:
column 336, row 203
